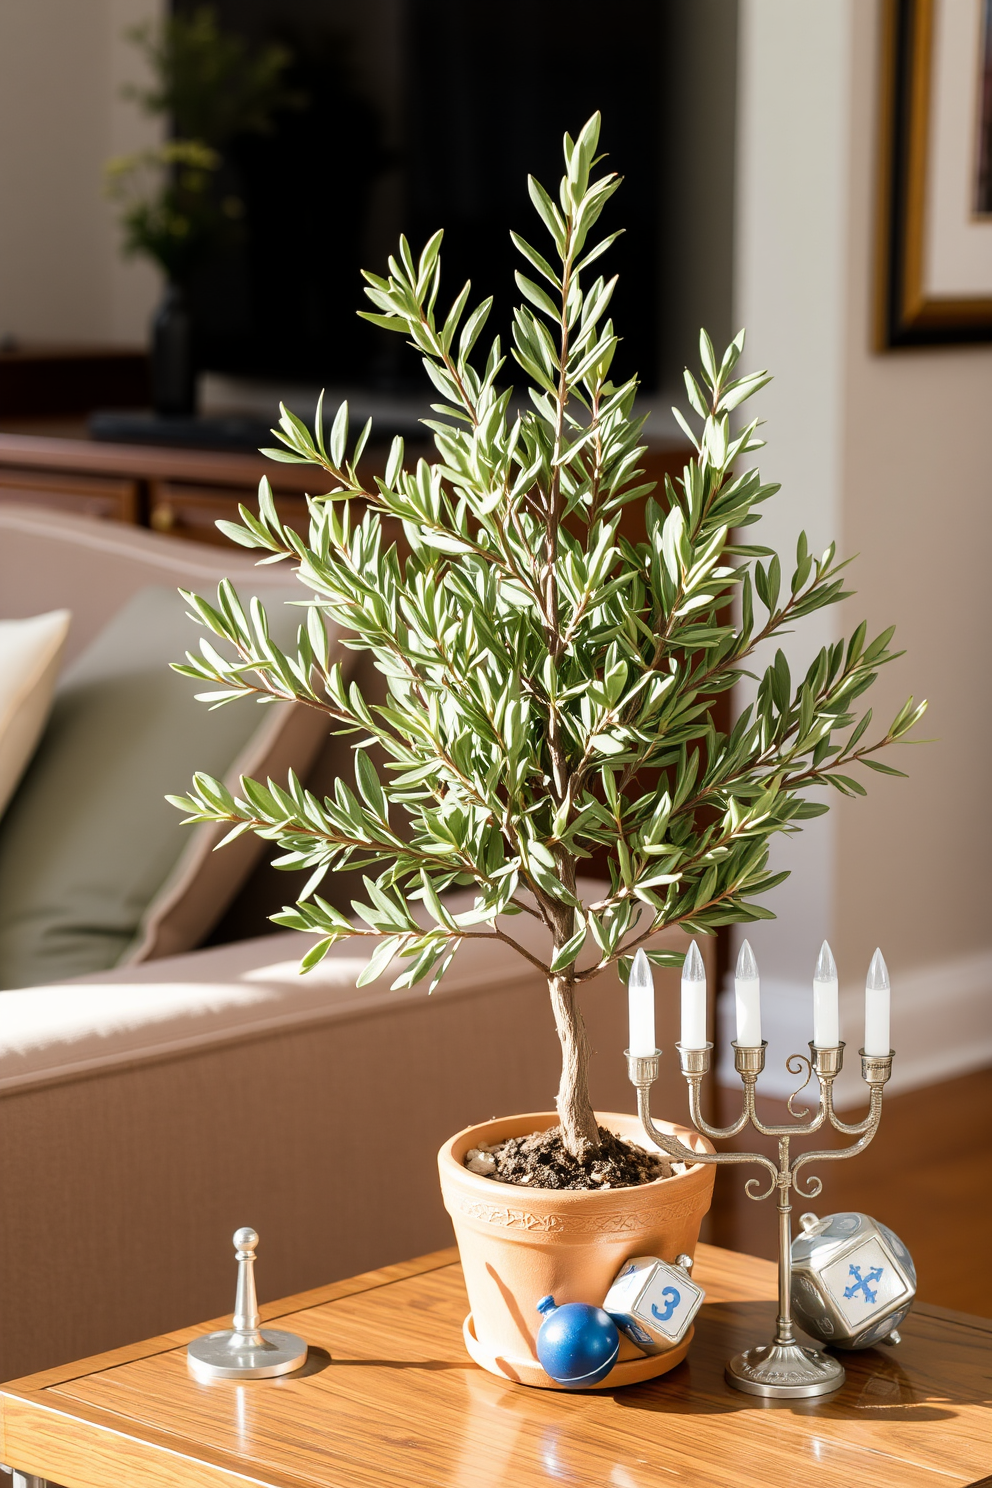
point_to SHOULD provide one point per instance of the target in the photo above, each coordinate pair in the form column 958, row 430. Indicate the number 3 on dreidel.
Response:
column 672, row 1300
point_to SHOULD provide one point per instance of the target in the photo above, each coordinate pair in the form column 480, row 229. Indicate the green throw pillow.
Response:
column 88, row 839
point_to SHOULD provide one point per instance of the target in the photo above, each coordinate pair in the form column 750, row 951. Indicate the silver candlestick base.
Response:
column 785, row 1371
column 783, row 1368
column 245, row 1351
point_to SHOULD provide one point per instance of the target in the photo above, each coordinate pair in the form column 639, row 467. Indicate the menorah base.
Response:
column 784, row 1371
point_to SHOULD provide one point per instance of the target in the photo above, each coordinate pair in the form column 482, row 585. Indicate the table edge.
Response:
column 223, row 1467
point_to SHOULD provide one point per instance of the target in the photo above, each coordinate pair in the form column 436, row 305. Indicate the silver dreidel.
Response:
column 245, row 1351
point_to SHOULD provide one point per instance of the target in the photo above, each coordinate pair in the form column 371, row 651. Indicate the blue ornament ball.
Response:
column 576, row 1344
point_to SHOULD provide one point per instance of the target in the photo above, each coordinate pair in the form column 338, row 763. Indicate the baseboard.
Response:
column 941, row 1027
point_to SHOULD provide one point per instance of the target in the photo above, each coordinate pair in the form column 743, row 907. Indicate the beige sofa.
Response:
column 147, row 1112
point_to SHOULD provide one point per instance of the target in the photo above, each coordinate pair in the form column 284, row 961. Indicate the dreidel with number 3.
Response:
column 653, row 1303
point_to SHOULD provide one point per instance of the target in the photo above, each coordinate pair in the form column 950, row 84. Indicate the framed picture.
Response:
column 935, row 238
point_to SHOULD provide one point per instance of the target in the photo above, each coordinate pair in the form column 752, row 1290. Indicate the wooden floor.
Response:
column 928, row 1175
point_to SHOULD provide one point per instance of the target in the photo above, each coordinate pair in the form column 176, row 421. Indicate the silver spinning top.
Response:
column 245, row 1351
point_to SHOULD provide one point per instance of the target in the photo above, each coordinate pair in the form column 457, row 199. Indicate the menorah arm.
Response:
column 798, row 1128
column 749, row 1061
column 699, row 1122
column 849, row 1128
column 836, row 1154
column 876, row 1069
column 695, row 1064
column 671, row 1144
column 667, row 1141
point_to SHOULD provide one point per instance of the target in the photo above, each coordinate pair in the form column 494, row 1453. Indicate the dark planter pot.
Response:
column 172, row 372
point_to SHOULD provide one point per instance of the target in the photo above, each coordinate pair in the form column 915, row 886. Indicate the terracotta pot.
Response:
column 517, row 1244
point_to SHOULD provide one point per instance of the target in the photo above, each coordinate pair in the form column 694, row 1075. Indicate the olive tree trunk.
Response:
column 580, row 1131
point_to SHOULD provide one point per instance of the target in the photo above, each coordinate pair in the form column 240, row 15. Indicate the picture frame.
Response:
column 935, row 201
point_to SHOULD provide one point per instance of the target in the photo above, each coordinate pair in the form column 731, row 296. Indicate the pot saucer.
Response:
column 529, row 1372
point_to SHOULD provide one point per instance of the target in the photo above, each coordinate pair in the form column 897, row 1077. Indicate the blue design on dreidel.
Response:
column 863, row 1283
column 576, row 1344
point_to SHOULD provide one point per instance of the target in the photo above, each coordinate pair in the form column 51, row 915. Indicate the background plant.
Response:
column 211, row 84
column 551, row 683
column 168, row 207
column 213, row 87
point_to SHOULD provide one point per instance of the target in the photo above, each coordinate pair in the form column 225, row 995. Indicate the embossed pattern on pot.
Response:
column 572, row 1224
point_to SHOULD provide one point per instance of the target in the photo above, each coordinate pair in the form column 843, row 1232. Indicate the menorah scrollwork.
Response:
column 782, row 1368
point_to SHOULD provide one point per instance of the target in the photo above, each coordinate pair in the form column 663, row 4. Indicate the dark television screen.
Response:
column 421, row 114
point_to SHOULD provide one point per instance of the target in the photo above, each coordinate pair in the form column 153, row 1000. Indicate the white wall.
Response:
column 790, row 288
column 889, row 453
column 62, row 65
column 917, row 868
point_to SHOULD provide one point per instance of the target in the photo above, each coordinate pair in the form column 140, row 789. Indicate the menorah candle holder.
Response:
column 783, row 1368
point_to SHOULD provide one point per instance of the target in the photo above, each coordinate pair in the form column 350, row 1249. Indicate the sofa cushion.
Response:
column 203, row 882
column 89, row 840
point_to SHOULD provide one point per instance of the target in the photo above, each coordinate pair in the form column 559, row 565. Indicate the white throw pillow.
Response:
column 30, row 655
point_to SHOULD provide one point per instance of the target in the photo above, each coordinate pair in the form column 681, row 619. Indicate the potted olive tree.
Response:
column 551, row 689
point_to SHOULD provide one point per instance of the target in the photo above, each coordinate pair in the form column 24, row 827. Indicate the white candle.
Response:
column 877, row 1007
column 693, row 1000
column 826, row 1009
column 640, row 1006
column 747, row 987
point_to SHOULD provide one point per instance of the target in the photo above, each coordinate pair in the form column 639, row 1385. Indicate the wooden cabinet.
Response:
column 185, row 492
column 115, row 498
column 182, row 492
column 176, row 491
column 186, row 510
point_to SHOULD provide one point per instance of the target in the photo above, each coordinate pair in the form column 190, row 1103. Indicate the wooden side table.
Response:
column 389, row 1397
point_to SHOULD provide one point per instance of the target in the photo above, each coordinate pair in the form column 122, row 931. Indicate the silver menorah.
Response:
column 783, row 1368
